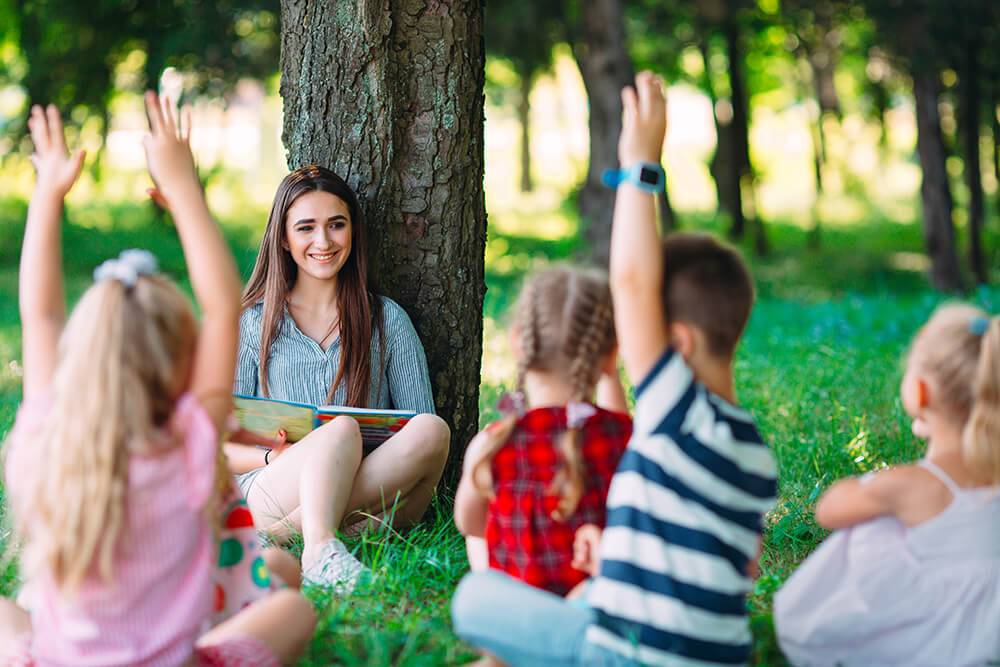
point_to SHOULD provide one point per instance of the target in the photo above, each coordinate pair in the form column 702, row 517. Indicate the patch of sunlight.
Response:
column 859, row 448
column 909, row 261
column 842, row 209
column 499, row 366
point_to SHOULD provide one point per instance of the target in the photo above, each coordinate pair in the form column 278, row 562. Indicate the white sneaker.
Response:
column 335, row 566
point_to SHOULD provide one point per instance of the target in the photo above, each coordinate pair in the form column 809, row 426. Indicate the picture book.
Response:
column 267, row 415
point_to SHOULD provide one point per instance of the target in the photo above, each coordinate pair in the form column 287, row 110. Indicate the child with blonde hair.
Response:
column 533, row 478
column 112, row 469
column 911, row 574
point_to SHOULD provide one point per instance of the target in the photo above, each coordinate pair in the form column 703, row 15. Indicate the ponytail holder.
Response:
column 127, row 267
column 512, row 403
column 979, row 325
column 578, row 412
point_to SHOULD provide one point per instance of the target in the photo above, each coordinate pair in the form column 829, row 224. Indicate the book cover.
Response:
column 267, row 415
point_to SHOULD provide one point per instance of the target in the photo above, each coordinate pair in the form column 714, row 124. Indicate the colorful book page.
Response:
column 267, row 417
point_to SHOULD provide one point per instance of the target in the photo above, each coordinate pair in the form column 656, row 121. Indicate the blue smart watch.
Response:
column 647, row 176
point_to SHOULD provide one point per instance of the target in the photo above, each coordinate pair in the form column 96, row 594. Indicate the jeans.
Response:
column 525, row 626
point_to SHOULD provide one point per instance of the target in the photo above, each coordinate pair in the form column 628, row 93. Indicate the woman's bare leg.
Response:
column 308, row 487
column 408, row 465
column 284, row 621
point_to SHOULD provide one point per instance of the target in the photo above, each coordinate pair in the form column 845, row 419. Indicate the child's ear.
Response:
column 683, row 338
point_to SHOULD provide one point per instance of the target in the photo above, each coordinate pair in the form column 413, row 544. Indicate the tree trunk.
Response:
column 935, row 193
column 389, row 94
column 667, row 216
column 727, row 185
column 742, row 172
column 524, row 118
column 606, row 68
column 995, row 131
column 970, row 101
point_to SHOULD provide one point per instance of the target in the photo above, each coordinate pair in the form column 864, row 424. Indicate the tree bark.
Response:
column 606, row 68
column 524, row 118
column 970, row 101
column 935, row 193
column 389, row 94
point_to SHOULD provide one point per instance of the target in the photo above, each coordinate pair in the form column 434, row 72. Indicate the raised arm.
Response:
column 636, row 259
column 210, row 264
column 41, row 299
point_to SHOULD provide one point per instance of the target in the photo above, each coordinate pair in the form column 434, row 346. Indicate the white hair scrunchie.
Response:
column 127, row 267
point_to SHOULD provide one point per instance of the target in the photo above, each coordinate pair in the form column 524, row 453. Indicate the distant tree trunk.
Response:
column 524, row 119
column 939, row 229
column 667, row 215
column 389, row 94
column 970, row 101
column 995, row 131
column 741, row 130
column 606, row 68
column 725, row 177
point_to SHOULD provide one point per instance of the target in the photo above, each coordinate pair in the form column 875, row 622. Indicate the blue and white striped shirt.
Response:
column 300, row 370
column 684, row 519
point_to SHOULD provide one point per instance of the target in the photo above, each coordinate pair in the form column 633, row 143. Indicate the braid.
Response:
column 499, row 433
column 589, row 332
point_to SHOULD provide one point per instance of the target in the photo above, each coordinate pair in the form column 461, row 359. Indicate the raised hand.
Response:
column 168, row 149
column 57, row 170
column 644, row 121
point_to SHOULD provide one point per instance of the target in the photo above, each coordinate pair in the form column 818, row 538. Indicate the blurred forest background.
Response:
column 850, row 148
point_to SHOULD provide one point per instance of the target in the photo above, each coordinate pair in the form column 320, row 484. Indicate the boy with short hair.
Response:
column 686, row 503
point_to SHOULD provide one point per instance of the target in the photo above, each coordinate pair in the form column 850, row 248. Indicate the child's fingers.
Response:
column 77, row 162
column 169, row 120
column 56, row 137
column 629, row 105
column 153, row 113
column 39, row 129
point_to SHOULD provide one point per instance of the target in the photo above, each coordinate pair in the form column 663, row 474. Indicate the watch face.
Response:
column 649, row 176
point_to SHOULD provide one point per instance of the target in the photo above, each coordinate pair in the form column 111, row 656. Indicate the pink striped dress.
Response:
column 161, row 598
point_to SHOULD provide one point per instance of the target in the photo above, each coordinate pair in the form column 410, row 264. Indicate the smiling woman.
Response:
column 313, row 330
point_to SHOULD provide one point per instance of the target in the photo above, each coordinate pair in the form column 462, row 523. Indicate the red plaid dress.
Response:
column 523, row 539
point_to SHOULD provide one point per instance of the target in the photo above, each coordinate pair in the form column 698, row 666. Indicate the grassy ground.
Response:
column 819, row 369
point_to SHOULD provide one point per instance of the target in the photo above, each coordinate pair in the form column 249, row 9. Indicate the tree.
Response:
column 390, row 96
column 523, row 32
column 597, row 35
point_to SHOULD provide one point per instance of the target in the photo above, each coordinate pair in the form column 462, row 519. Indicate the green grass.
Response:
column 819, row 369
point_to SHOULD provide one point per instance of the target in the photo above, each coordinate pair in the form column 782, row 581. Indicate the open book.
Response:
column 267, row 415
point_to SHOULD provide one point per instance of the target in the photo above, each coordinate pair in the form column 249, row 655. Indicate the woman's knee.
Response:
column 431, row 438
column 342, row 434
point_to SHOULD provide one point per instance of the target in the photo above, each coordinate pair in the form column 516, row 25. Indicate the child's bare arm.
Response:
column 586, row 549
column 211, row 268
column 636, row 259
column 852, row 501
column 470, row 503
column 41, row 298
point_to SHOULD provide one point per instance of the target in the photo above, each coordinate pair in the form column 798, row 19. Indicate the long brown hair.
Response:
column 565, row 322
column 275, row 272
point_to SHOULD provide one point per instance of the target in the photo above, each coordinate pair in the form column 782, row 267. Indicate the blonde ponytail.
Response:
column 122, row 359
column 981, row 436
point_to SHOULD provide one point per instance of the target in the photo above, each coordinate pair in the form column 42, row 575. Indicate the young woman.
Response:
column 314, row 331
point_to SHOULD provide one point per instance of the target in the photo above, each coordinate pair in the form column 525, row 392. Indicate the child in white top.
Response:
column 113, row 468
column 911, row 574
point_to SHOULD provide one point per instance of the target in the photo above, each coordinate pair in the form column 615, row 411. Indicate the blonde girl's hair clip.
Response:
column 127, row 267
column 979, row 325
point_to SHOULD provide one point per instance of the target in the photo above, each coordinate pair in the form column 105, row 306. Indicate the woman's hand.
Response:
column 57, row 170
column 279, row 446
column 168, row 149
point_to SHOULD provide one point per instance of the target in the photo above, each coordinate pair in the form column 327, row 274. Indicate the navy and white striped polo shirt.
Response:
column 684, row 519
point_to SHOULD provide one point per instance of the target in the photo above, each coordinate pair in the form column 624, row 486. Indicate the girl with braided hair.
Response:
column 532, row 479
